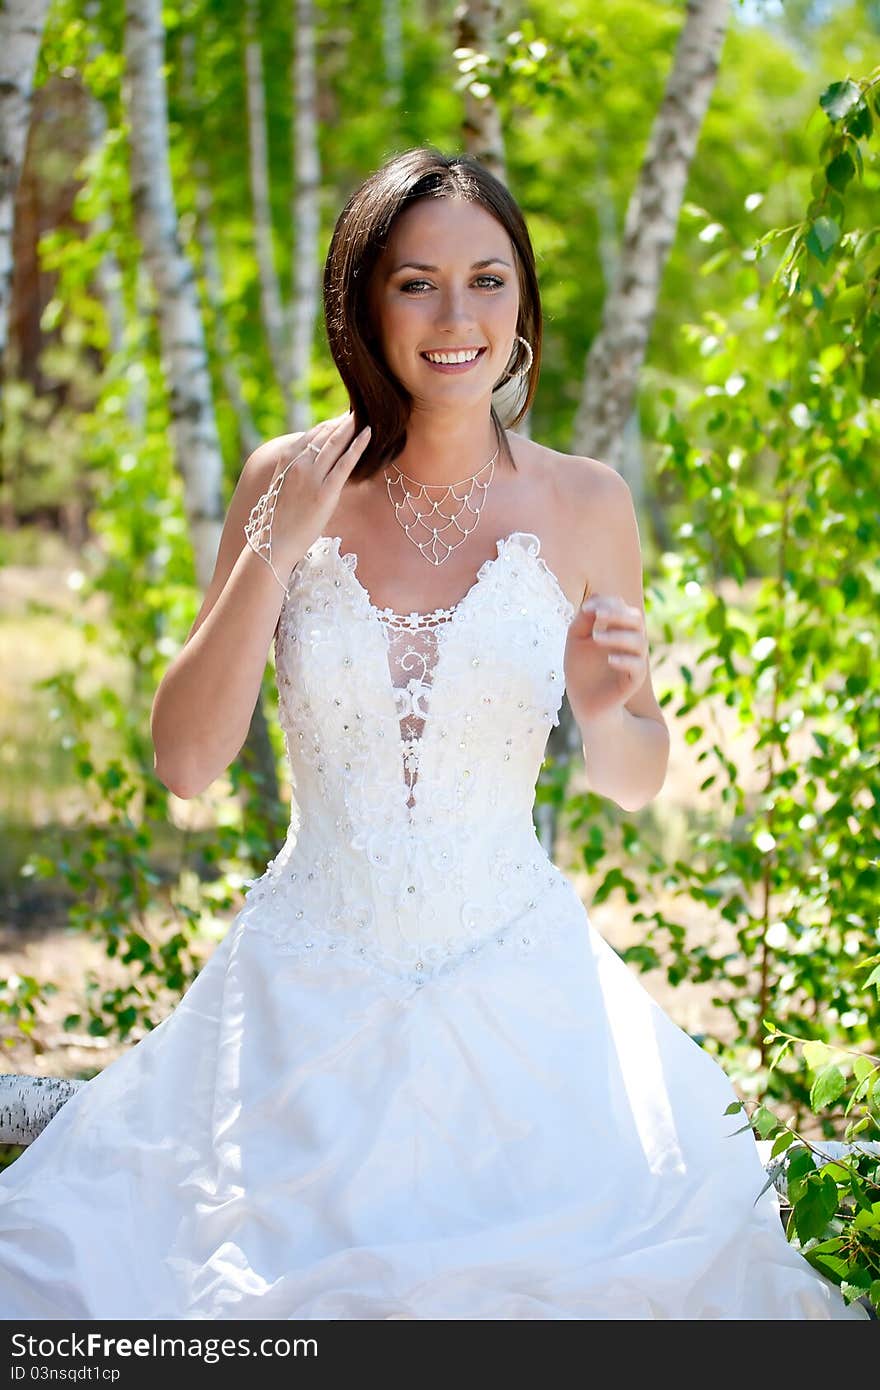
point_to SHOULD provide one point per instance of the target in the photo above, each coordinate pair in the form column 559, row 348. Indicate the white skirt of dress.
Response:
column 529, row 1136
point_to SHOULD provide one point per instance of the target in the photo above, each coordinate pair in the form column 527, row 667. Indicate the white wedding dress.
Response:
column 412, row 1081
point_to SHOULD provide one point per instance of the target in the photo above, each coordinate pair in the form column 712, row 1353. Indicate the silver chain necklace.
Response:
column 434, row 532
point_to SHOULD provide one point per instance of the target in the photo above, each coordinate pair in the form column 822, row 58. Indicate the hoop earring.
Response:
column 520, row 371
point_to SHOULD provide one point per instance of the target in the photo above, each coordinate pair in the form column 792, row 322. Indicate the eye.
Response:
column 496, row 282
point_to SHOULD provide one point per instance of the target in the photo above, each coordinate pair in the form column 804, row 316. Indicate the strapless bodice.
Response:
column 415, row 743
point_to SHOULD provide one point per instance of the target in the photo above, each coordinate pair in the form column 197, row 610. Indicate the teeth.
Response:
column 450, row 357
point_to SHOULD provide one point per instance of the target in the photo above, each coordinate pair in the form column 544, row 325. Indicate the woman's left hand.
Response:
column 606, row 655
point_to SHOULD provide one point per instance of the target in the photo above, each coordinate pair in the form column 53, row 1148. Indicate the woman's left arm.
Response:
column 607, row 665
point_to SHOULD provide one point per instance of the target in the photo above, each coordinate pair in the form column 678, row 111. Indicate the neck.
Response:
column 447, row 447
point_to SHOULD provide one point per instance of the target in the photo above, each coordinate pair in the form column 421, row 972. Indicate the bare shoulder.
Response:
column 261, row 464
column 602, row 525
column 583, row 505
column 588, row 485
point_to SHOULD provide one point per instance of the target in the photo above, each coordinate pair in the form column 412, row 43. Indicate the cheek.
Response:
column 400, row 318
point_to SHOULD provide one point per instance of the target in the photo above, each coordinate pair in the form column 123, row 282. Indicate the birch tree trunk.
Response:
column 305, row 213
column 248, row 436
column 181, row 334
column 611, row 375
column 258, row 148
column 392, row 52
column 108, row 273
column 21, row 31
column 477, row 29
column 28, row 1103
column 603, row 423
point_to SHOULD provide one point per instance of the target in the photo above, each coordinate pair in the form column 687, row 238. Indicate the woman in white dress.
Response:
column 412, row 1081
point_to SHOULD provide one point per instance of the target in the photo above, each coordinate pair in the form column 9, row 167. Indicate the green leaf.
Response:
column 868, row 1220
column 764, row 1122
column 782, row 1142
column 816, row 1054
column 827, row 1088
column 846, row 306
column 833, row 1263
column 840, row 171
column 852, row 1291
column 839, row 98
column 863, row 1067
column 826, row 232
column 799, row 1169
column 815, row 1208
column 861, row 124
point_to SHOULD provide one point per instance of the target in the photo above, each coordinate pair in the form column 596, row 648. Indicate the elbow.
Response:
column 174, row 774
column 180, row 779
column 189, row 777
column 179, row 785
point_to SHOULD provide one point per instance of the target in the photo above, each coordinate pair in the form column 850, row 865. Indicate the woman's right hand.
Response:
column 310, row 486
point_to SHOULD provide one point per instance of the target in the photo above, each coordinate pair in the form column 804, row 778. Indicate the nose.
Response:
column 453, row 313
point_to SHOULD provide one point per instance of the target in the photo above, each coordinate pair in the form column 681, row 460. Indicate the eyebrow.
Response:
column 477, row 265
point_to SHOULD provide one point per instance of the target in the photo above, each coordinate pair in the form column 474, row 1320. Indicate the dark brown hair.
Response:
column 359, row 238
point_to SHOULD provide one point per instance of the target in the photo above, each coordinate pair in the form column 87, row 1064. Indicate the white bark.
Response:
column 28, row 1103
column 249, row 438
column 604, row 427
column 617, row 352
column 21, row 31
column 392, row 50
column 305, row 213
column 827, row 1150
column 181, row 334
column 108, row 273
column 477, row 31
column 270, row 290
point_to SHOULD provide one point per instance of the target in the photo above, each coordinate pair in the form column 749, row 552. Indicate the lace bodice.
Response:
column 415, row 742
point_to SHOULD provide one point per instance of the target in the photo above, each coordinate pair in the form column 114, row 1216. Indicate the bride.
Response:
column 412, row 1081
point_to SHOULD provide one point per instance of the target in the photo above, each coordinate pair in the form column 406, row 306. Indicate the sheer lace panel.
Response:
column 414, row 641
column 413, row 644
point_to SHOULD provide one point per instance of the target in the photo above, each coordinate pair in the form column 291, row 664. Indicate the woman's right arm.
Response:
column 205, row 701
column 203, row 707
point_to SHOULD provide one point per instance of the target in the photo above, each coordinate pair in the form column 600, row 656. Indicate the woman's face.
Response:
column 458, row 303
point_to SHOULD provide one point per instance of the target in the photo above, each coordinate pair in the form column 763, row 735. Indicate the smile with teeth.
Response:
column 451, row 359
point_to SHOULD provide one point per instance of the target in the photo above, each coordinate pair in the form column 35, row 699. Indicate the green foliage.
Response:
column 833, row 1199
column 770, row 467
column 775, row 466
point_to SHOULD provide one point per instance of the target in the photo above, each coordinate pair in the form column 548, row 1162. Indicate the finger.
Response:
column 620, row 637
column 314, row 440
column 331, row 435
column 350, row 456
column 608, row 603
column 625, row 661
column 326, row 427
column 618, row 622
column 340, row 428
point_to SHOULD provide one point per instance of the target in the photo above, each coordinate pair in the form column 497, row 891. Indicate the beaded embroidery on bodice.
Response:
column 415, row 743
